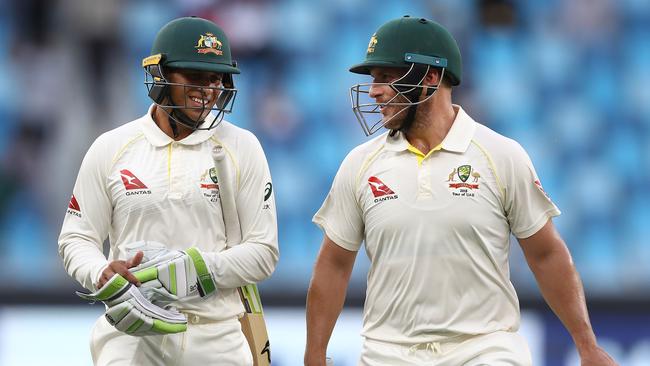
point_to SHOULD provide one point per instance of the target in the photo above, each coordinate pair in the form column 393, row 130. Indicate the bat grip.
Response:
column 218, row 152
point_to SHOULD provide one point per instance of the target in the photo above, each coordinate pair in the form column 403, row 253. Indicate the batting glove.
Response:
column 130, row 312
column 175, row 275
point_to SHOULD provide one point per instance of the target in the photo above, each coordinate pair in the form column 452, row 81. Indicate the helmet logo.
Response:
column 372, row 43
column 208, row 43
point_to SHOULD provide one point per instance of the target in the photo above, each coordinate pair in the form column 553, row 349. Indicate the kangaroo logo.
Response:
column 130, row 181
column 452, row 175
column 378, row 187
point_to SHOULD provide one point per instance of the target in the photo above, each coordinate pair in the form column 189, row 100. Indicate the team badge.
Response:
column 209, row 186
column 463, row 172
column 213, row 175
column 372, row 43
column 208, row 43
column 464, row 186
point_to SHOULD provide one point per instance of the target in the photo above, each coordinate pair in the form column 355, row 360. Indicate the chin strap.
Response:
column 173, row 124
column 177, row 116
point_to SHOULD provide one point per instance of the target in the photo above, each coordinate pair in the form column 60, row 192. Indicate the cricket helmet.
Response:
column 415, row 45
column 190, row 43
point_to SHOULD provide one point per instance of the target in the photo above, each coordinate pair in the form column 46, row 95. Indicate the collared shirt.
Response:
column 136, row 183
column 437, row 230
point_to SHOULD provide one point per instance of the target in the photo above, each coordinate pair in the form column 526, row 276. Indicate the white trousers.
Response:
column 493, row 349
column 203, row 344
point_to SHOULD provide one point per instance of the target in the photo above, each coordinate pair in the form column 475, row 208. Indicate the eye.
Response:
column 215, row 79
column 382, row 78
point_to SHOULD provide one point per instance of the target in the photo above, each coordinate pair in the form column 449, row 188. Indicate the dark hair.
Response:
column 446, row 81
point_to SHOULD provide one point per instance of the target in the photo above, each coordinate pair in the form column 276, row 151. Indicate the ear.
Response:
column 433, row 76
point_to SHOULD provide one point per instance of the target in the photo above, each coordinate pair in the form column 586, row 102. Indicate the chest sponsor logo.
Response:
column 73, row 207
column 380, row 191
column 132, row 184
column 463, row 180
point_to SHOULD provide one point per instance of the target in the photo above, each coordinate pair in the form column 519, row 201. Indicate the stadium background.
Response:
column 568, row 79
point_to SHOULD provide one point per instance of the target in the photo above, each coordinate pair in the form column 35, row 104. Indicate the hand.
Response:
column 130, row 312
column 596, row 357
column 122, row 268
column 177, row 275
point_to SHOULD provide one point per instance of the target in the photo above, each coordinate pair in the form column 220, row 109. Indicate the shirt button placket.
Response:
column 424, row 179
column 174, row 186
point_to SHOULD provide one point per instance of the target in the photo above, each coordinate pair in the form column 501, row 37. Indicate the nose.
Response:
column 375, row 90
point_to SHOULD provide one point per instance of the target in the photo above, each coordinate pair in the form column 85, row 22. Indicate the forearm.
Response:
column 562, row 289
column 242, row 264
column 83, row 261
column 325, row 300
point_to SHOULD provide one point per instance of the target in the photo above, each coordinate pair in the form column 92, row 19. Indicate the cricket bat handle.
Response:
column 252, row 323
column 226, row 197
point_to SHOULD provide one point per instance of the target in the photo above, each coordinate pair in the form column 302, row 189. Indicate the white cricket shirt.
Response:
column 136, row 183
column 436, row 230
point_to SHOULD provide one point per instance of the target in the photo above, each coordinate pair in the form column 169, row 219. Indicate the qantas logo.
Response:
column 132, row 184
column 73, row 207
column 131, row 181
column 74, row 204
column 379, row 189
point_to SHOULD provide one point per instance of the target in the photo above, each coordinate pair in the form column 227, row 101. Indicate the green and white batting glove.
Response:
column 130, row 312
column 174, row 276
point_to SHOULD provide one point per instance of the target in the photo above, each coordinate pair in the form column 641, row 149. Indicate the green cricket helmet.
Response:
column 191, row 43
column 415, row 45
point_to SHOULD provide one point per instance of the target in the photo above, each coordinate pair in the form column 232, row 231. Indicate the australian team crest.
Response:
column 209, row 184
column 208, row 43
column 213, row 175
column 372, row 43
column 463, row 173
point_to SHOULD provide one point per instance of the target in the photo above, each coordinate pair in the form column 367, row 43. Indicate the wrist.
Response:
column 314, row 360
column 585, row 343
column 314, row 355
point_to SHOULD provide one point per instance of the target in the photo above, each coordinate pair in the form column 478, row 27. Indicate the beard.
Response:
column 395, row 117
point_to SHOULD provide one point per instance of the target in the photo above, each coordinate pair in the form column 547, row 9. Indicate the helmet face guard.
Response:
column 158, row 88
column 416, row 46
column 191, row 43
column 408, row 89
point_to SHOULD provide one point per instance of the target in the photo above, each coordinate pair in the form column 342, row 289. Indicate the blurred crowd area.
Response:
column 568, row 79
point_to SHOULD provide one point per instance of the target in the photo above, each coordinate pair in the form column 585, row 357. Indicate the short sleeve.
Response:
column 528, row 207
column 340, row 215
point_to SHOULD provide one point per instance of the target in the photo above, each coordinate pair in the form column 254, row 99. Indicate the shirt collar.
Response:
column 457, row 140
column 158, row 138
